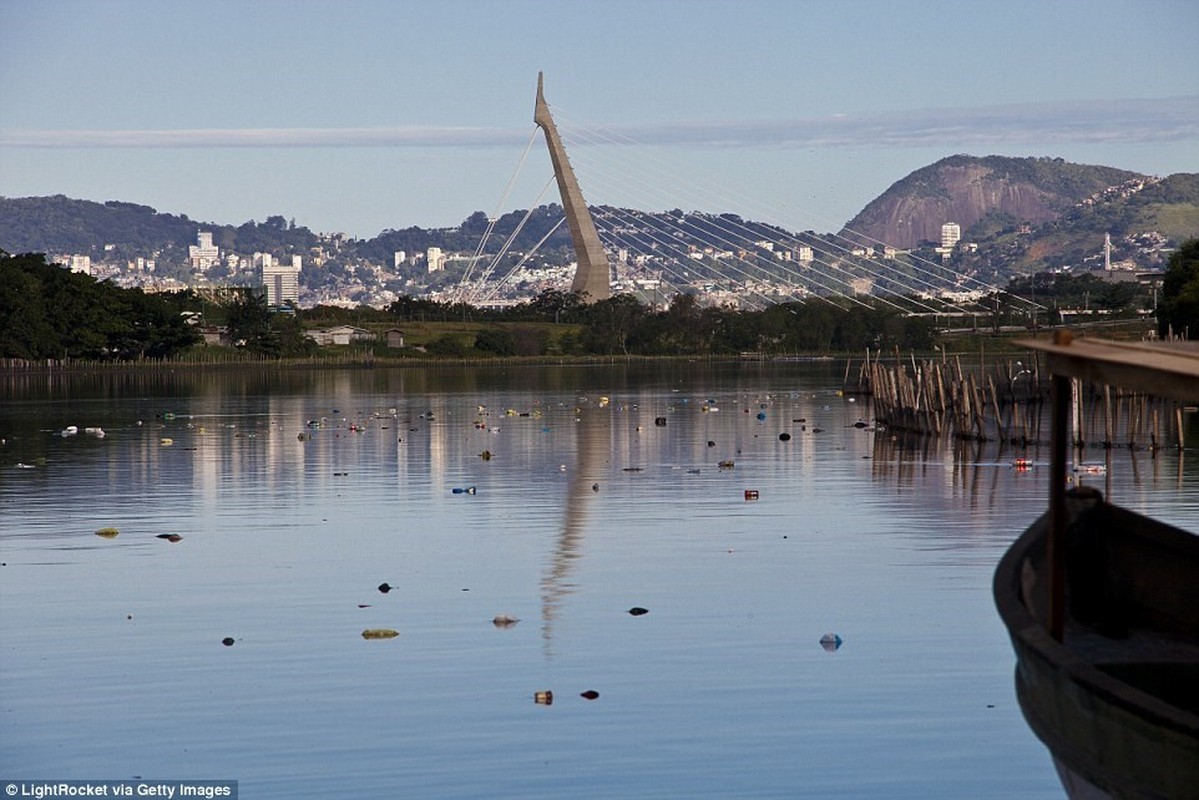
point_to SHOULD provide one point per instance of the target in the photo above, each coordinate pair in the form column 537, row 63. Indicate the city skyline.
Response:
column 363, row 116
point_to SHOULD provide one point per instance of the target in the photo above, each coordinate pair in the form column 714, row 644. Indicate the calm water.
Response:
column 112, row 663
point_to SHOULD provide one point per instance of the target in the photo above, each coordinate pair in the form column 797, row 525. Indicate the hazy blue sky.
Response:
column 362, row 115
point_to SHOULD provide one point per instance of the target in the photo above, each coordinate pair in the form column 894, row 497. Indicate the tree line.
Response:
column 47, row 312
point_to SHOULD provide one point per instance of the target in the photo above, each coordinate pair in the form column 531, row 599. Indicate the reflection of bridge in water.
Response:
column 593, row 448
column 718, row 256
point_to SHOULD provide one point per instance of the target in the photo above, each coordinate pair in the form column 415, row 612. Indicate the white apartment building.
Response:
column 282, row 282
column 951, row 234
column 203, row 255
column 435, row 258
column 80, row 264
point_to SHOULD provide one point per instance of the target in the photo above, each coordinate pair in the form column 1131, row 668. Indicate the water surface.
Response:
column 298, row 493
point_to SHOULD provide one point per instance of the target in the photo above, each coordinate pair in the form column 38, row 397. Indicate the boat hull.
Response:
column 1115, row 701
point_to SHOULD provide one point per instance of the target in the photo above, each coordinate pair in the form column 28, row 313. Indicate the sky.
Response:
column 364, row 115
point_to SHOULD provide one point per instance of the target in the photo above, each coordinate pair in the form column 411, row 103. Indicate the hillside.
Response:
column 1144, row 219
column 969, row 190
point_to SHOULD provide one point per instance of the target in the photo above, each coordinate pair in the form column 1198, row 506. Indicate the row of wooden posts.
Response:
column 1002, row 402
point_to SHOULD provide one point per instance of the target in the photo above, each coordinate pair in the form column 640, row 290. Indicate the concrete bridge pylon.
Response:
column 592, row 276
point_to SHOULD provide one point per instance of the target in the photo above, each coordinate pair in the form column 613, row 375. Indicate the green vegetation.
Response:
column 47, row 312
column 1179, row 309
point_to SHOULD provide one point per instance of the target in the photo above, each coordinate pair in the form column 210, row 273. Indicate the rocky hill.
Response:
column 968, row 190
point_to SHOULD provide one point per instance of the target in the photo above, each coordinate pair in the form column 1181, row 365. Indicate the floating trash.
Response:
column 170, row 537
column 107, row 533
column 485, row 455
column 385, row 587
column 228, row 641
column 761, row 416
column 166, row 441
column 97, row 432
column 830, row 641
column 380, row 633
column 545, row 698
column 70, row 430
column 1091, row 469
column 711, row 443
column 660, row 422
column 784, row 437
column 463, row 490
column 23, row 465
column 590, row 694
column 751, row 494
column 504, row 620
column 595, row 487
column 727, row 464
column 638, row 611
column 1022, row 463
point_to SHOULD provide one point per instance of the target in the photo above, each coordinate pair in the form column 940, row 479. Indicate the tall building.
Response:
column 951, row 234
column 204, row 254
column 282, row 282
column 436, row 259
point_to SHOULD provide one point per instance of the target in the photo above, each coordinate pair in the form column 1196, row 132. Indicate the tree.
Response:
column 610, row 323
column 1179, row 307
column 249, row 322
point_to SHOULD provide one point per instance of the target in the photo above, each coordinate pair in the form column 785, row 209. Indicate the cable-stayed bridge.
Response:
column 722, row 258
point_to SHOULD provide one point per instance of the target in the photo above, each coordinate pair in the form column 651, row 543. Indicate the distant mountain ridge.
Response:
column 969, row 190
column 1020, row 215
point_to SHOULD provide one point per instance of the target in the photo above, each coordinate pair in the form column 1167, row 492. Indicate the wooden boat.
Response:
column 1102, row 606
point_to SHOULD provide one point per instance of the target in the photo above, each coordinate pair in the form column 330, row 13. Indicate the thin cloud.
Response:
column 1103, row 122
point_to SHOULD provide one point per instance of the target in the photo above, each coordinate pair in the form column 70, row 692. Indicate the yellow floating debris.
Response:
column 107, row 533
column 379, row 633
column 165, row 442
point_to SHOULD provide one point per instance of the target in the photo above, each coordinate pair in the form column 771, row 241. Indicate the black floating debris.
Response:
column 485, row 455
column 545, row 698
column 227, row 641
column 784, row 437
column 638, row 611
column 595, row 487
column 711, row 443
column 590, row 694
column 340, row 474
column 859, row 424
column 660, row 422
column 830, row 642
column 727, row 464
column 463, row 490
column 385, row 587
column 170, row 537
